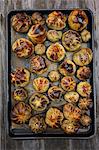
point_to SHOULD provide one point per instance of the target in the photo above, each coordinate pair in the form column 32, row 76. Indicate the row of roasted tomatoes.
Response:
column 76, row 106
column 70, row 118
column 71, row 40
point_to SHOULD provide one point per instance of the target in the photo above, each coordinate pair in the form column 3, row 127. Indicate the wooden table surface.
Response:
column 7, row 143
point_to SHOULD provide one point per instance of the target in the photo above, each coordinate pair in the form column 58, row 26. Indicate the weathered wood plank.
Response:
column 2, row 51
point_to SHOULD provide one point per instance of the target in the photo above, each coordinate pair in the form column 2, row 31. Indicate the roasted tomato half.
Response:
column 67, row 67
column 77, row 20
column 70, row 127
column 21, row 113
column 83, row 73
column 21, row 22
column 71, row 40
column 41, row 84
column 71, row 97
column 55, row 93
column 37, row 124
column 85, row 35
column 71, row 112
column 56, row 20
column 23, row 48
column 85, row 120
column 85, row 103
column 20, row 77
column 40, row 49
column 68, row 83
column 37, row 34
column 54, row 117
column 20, row 94
column 84, row 89
column 38, row 18
column 38, row 102
column 54, row 35
column 54, row 75
column 38, row 64
column 55, row 52
column 83, row 57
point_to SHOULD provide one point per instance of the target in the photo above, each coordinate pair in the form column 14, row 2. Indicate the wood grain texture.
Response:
column 48, row 144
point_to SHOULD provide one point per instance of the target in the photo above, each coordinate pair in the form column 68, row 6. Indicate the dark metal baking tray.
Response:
column 24, row 133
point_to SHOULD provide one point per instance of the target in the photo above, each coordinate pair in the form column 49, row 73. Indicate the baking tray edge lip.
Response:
column 53, row 137
column 7, row 48
column 94, row 72
column 39, row 138
column 26, row 10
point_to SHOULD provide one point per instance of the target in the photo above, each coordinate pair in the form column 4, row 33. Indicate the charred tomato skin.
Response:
column 54, row 75
column 41, row 84
column 85, row 103
column 55, row 93
column 77, row 20
column 38, row 18
column 54, row 36
column 20, row 77
column 84, row 89
column 21, row 22
column 40, row 49
column 72, row 112
column 85, row 120
column 38, row 102
column 37, row 124
column 68, row 83
column 23, row 48
column 54, row 117
column 83, row 73
column 67, row 67
column 38, row 64
column 72, row 97
column 83, row 57
column 85, row 35
column 70, row 127
column 20, row 94
column 71, row 40
column 37, row 34
column 56, row 20
column 21, row 113
column 55, row 52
